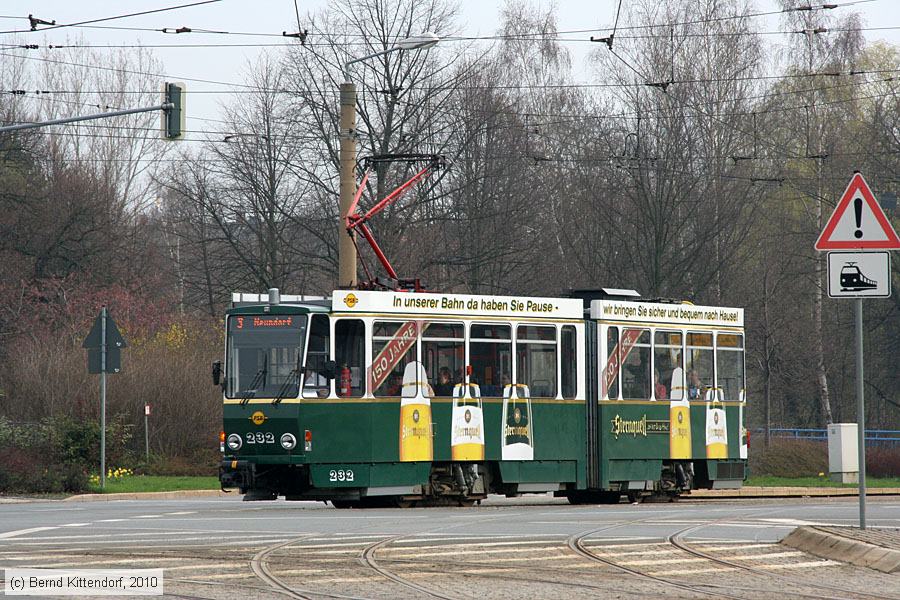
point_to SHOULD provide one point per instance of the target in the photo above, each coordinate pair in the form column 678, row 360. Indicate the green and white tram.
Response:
column 394, row 398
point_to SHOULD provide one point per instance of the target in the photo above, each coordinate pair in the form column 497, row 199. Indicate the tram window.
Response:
column 315, row 384
column 730, row 365
column 490, row 355
column 349, row 353
column 536, row 360
column 611, row 372
column 699, row 359
column 444, row 356
column 668, row 367
column 568, row 361
column 635, row 359
column 264, row 357
column 392, row 353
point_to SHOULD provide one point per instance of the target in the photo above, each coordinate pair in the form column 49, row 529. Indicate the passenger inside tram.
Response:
column 695, row 386
column 444, row 385
column 659, row 389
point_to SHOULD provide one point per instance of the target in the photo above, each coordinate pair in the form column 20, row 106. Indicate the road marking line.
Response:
column 692, row 571
column 112, row 520
column 136, row 562
column 598, row 543
column 802, row 565
column 183, row 512
column 474, row 551
column 74, row 524
column 735, row 547
column 764, row 556
column 18, row 532
column 137, row 536
column 660, row 561
column 147, row 517
column 173, row 543
column 638, row 552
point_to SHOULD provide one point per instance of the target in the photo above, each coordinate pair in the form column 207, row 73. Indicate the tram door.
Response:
column 467, row 437
column 716, row 430
column 416, row 442
column 518, row 439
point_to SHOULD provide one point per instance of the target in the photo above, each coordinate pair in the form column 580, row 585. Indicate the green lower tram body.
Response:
column 349, row 452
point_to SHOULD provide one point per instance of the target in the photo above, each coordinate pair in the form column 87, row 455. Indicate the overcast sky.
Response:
column 478, row 17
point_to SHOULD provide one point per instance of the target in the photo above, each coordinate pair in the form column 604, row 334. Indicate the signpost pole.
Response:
column 103, row 398
column 861, row 413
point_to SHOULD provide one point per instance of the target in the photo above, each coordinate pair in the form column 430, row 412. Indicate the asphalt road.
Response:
column 532, row 547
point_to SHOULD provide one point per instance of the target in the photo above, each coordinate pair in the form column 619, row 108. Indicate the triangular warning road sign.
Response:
column 858, row 222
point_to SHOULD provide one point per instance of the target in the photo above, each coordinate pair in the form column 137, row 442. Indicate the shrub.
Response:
column 789, row 458
column 55, row 455
column 882, row 461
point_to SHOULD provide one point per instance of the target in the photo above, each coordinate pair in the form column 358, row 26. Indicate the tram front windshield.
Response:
column 264, row 356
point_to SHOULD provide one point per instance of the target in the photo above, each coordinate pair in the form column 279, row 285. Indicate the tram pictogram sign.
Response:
column 858, row 222
column 859, row 274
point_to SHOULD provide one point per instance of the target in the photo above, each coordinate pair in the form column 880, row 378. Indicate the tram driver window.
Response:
column 315, row 384
column 490, row 354
column 393, row 347
column 349, row 353
column 668, row 368
column 699, row 359
column 444, row 356
column 730, row 365
column 634, row 351
column 536, row 359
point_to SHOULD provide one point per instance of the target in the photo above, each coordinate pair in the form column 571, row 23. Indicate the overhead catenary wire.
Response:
column 112, row 18
column 200, row 30
column 251, row 89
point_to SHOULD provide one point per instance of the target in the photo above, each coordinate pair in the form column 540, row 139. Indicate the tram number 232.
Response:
column 340, row 475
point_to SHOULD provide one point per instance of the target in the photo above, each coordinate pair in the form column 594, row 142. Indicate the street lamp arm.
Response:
column 421, row 41
column 362, row 58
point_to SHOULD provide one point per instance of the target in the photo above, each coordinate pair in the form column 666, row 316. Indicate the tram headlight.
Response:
column 234, row 442
column 288, row 441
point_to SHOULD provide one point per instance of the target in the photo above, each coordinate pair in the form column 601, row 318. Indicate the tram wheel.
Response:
column 342, row 503
column 401, row 503
column 467, row 502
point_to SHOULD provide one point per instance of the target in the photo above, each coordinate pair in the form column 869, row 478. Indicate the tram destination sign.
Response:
column 859, row 274
column 675, row 314
column 455, row 304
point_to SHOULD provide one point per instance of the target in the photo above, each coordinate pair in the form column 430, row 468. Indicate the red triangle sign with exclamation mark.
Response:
column 858, row 222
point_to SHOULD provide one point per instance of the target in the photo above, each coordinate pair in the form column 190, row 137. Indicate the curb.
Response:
column 825, row 544
column 148, row 496
column 789, row 492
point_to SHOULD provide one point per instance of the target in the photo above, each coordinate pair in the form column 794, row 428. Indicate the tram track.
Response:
column 678, row 540
column 367, row 557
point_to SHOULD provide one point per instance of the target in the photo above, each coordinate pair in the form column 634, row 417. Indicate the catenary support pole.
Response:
column 861, row 413
column 103, row 398
column 346, row 247
column 146, row 435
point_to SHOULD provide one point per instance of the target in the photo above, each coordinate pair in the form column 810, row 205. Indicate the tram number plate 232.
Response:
column 340, row 475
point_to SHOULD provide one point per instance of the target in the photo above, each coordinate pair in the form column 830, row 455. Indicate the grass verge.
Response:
column 156, row 483
column 766, row 481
